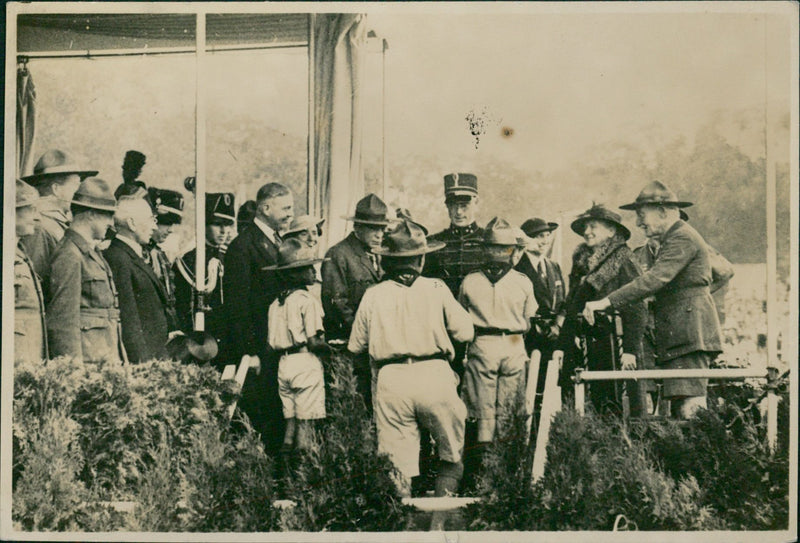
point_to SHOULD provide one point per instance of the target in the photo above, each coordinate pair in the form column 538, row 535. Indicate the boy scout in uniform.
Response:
column 406, row 323
column 83, row 312
column 30, row 332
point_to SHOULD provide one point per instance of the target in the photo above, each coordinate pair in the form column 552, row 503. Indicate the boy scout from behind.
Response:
column 406, row 323
column 83, row 312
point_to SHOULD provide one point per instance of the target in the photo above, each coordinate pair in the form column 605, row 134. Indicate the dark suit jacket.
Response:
column 345, row 278
column 679, row 280
column 142, row 303
column 249, row 290
column 549, row 292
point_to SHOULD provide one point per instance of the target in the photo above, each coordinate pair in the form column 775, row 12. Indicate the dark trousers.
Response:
column 262, row 404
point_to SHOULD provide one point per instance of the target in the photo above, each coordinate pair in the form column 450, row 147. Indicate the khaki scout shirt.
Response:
column 83, row 312
column 30, row 337
column 508, row 304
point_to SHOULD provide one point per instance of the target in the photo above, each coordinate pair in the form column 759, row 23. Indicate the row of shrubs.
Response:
column 157, row 435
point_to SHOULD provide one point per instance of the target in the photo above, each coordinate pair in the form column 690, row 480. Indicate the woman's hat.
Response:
column 26, row 194
column 535, row 226
column 294, row 254
column 656, row 193
column 599, row 212
column 55, row 162
column 94, row 193
column 407, row 239
column 370, row 210
column 303, row 223
column 499, row 232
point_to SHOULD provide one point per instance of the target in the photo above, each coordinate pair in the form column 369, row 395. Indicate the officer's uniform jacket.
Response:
column 83, row 312
column 165, row 273
column 142, row 303
column 679, row 280
column 49, row 230
column 30, row 331
column 346, row 276
column 462, row 255
column 183, row 271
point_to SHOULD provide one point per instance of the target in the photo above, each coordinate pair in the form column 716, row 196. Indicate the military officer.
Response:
column 168, row 205
column 220, row 218
column 56, row 177
column 30, row 330
column 687, row 331
column 83, row 311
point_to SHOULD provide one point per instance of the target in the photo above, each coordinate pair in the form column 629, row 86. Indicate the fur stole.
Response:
column 600, row 265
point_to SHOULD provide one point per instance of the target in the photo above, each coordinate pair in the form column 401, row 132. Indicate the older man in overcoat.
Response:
column 687, row 331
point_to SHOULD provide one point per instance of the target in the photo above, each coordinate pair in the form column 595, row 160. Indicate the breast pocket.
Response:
column 97, row 341
column 97, row 292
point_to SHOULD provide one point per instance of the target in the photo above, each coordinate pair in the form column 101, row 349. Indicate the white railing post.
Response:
column 772, row 410
column 530, row 390
column 580, row 392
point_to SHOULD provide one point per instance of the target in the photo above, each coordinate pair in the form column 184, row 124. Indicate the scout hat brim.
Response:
column 35, row 179
column 373, row 222
column 198, row 345
column 429, row 248
column 633, row 206
column 298, row 264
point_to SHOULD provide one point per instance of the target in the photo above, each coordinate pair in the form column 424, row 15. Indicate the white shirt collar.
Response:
column 264, row 227
column 132, row 243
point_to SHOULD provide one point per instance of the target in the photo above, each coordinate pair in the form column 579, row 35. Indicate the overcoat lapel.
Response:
column 144, row 267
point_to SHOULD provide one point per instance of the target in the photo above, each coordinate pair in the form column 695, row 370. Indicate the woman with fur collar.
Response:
column 600, row 265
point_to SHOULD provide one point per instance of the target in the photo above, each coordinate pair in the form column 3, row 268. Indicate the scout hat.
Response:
column 55, row 162
column 457, row 186
column 303, row 223
column 94, row 193
column 499, row 232
column 294, row 254
column 370, row 210
column 535, row 226
column 168, row 205
column 26, row 194
column 193, row 346
column 684, row 215
column 599, row 212
column 407, row 239
column 656, row 193
column 220, row 208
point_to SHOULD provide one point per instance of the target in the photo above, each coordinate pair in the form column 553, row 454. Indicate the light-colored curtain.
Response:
column 26, row 121
column 339, row 55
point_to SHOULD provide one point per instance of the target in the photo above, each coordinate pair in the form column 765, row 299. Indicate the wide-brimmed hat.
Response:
column 56, row 162
column 26, row 194
column 303, row 223
column 656, row 193
column 460, row 185
column 535, row 226
column 370, row 210
column 220, row 208
column 200, row 346
column 599, row 212
column 94, row 193
column 500, row 232
column 407, row 239
column 294, row 254
column 168, row 205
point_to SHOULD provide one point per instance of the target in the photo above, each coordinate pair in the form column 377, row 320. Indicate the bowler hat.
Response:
column 407, row 239
column 26, row 194
column 303, row 223
column 499, row 232
column 599, row 212
column 94, row 193
column 294, row 254
column 55, row 162
column 370, row 210
column 168, row 205
column 535, row 226
column 220, row 208
column 459, row 185
column 193, row 346
column 656, row 193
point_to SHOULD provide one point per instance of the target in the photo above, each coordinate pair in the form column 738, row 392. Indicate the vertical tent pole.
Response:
column 200, row 167
column 384, row 162
column 772, row 259
column 311, row 181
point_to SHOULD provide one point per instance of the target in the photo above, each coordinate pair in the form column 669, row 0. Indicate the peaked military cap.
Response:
column 407, row 239
column 294, row 254
column 370, row 210
column 94, row 193
column 656, row 193
column 599, row 212
column 220, row 208
column 26, row 194
column 55, row 162
column 535, row 226
column 459, row 185
column 499, row 232
column 168, row 205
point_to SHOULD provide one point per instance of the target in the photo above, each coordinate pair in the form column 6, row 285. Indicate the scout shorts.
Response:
column 301, row 385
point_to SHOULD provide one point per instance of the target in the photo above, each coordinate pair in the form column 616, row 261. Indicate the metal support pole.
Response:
column 384, row 162
column 311, row 153
column 200, row 169
column 772, row 410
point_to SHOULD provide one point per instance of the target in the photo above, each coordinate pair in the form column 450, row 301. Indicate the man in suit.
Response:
column 142, row 298
column 349, row 269
column 687, row 331
column 56, row 177
column 83, row 311
column 250, row 289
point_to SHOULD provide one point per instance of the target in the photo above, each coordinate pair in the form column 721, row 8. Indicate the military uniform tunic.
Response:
column 183, row 272
column 462, row 255
column 30, row 332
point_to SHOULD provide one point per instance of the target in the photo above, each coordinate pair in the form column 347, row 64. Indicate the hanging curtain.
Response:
column 338, row 63
column 26, row 120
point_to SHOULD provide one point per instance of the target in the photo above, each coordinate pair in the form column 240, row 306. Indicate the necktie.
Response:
column 541, row 268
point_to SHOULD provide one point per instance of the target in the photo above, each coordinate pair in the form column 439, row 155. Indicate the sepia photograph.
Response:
column 540, row 260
